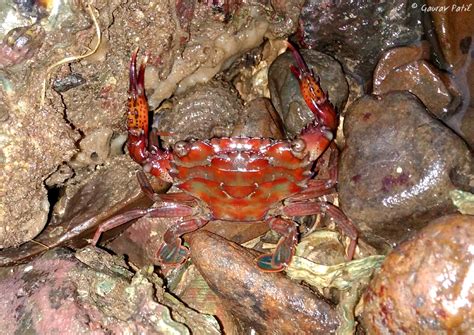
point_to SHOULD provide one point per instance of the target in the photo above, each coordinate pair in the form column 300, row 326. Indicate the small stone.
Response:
column 425, row 285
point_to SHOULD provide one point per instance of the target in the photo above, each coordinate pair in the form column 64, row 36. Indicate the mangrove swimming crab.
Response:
column 236, row 179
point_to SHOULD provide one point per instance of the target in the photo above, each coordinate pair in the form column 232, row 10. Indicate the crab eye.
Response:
column 180, row 148
column 298, row 145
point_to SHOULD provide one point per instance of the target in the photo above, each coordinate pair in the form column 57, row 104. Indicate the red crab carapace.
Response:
column 236, row 179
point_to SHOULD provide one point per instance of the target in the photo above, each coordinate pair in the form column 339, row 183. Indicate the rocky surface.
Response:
column 357, row 33
column 398, row 166
column 96, row 295
column 266, row 302
column 425, row 285
column 285, row 90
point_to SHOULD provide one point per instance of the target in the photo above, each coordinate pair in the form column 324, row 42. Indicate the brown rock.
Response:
column 267, row 302
column 425, row 285
column 260, row 119
column 405, row 69
column 454, row 30
column 396, row 168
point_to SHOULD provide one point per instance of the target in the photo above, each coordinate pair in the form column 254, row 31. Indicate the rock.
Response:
column 425, row 285
column 266, row 302
column 57, row 293
column 259, row 119
column 454, row 31
column 285, row 90
column 357, row 33
column 451, row 32
column 404, row 69
column 205, row 111
column 87, row 200
column 396, row 168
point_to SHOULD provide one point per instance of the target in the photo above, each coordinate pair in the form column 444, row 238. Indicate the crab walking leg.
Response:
column 168, row 210
column 285, row 248
column 171, row 251
column 320, row 187
column 155, row 160
column 311, row 208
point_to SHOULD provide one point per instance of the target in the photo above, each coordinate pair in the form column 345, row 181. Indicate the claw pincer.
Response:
column 235, row 179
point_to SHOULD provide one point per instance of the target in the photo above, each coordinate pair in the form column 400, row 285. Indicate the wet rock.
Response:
column 266, row 302
column 357, row 33
column 452, row 34
column 20, row 44
column 454, row 31
column 259, row 119
column 285, row 91
column 206, row 111
column 57, row 293
column 68, row 82
column 425, row 285
column 395, row 170
column 404, row 68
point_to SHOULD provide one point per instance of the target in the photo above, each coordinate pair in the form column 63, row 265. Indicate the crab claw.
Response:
column 155, row 160
column 319, row 133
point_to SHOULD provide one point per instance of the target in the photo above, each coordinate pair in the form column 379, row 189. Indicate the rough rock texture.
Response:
column 267, row 302
column 285, row 90
column 406, row 69
column 356, row 33
column 398, row 166
column 425, row 285
column 57, row 293
column 89, row 199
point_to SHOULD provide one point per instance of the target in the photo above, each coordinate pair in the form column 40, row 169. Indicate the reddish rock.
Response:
column 404, row 69
column 426, row 284
column 269, row 303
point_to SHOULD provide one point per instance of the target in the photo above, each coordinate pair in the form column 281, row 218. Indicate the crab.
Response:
column 239, row 179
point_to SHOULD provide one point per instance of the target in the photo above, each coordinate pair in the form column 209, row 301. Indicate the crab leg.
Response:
column 167, row 210
column 155, row 160
column 171, row 251
column 311, row 208
column 319, row 187
column 285, row 248
column 319, row 133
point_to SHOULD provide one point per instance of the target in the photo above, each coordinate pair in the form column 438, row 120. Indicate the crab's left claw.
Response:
column 319, row 133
